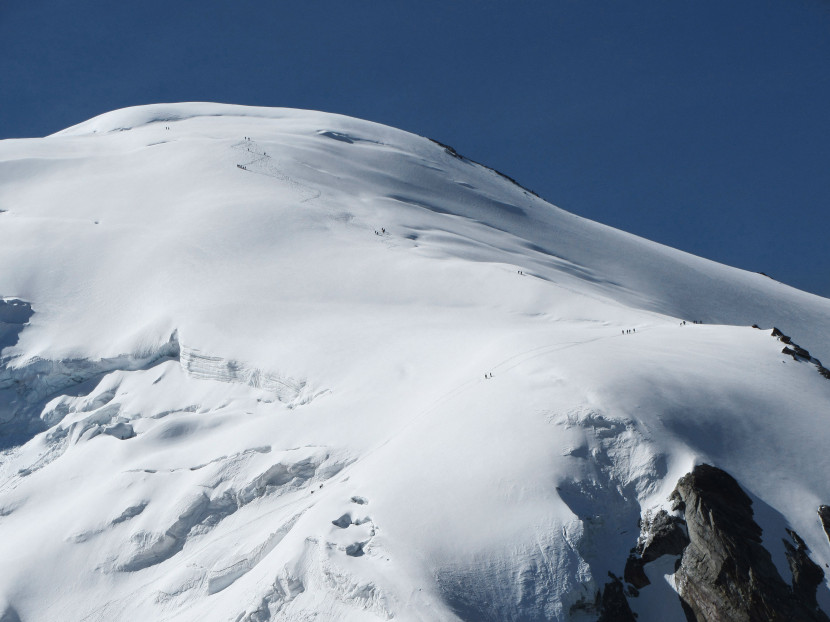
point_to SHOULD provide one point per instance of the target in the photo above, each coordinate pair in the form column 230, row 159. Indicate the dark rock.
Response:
column 451, row 151
column 660, row 534
column 725, row 574
column 356, row 549
column 756, row 326
column 614, row 605
column 584, row 606
column 634, row 572
column 807, row 575
column 664, row 536
column 824, row 516
column 448, row 150
column 688, row 612
column 781, row 336
column 796, row 350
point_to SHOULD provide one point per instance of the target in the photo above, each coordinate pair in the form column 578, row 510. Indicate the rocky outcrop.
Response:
column 452, row 152
column 807, row 575
column 635, row 574
column 798, row 353
column 660, row 534
column 613, row 604
column 664, row 534
column 824, row 516
column 725, row 574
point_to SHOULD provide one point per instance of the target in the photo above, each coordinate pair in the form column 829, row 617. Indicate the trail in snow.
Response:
column 257, row 160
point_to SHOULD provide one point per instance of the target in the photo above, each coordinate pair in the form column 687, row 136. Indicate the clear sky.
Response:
column 701, row 124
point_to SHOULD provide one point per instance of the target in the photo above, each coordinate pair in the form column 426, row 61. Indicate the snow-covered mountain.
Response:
column 277, row 364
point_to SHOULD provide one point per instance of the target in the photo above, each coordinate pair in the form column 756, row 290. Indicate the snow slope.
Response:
column 243, row 373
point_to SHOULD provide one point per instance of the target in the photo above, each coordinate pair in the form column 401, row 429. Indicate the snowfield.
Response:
column 245, row 374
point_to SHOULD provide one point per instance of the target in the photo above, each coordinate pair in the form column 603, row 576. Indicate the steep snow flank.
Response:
column 276, row 364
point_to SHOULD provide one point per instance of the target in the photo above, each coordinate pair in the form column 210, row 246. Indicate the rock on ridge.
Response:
column 725, row 574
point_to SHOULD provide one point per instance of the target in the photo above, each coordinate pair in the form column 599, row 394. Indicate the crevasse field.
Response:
column 245, row 375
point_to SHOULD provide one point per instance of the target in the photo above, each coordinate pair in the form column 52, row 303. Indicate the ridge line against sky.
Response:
column 703, row 126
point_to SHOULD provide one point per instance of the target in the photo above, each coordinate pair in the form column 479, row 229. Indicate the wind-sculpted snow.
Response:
column 269, row 364
column 202, row 512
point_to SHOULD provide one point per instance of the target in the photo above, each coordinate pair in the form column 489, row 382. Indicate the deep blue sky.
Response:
column 701, row 124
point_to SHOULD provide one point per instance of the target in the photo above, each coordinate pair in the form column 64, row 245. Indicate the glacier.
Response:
column 264, row 363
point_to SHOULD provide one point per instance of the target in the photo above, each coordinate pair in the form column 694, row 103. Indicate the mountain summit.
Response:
column 266, row 364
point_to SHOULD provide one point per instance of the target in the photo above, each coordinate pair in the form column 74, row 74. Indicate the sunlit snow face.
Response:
column 275, row 362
